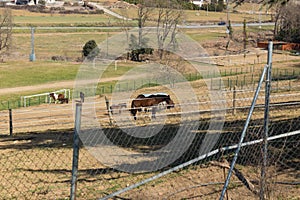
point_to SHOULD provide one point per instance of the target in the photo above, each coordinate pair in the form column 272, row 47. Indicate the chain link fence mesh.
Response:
column 37, row 160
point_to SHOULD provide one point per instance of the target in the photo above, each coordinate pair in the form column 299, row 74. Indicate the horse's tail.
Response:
column 132, row 109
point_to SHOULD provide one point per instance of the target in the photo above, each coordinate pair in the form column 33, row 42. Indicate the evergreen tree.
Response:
column 90, row 50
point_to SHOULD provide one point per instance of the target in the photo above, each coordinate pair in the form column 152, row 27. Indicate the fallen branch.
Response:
column 195, row 186
column 237, row 173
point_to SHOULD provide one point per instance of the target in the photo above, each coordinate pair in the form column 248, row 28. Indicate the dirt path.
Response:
column 60, row 84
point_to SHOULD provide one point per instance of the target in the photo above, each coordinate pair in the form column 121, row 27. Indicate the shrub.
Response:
column 90, row 50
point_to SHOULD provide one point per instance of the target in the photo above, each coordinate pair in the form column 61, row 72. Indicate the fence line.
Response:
column 58, row 113
column 279, row 75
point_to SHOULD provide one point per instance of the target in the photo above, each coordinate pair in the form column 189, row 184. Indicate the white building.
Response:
column 32, row 2
column 198, row 2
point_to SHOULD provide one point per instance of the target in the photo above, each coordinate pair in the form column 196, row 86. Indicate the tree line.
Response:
column 168, row 15
column 286, row 16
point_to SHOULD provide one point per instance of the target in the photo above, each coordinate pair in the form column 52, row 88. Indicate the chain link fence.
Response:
column 37, row 159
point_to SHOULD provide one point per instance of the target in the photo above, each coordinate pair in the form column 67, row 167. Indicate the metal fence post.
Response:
column 82, row 97
column 10, row 122
column 243, row 133
column 266, row 123
column 234, row 101
column 108, row 110
column 75, row 151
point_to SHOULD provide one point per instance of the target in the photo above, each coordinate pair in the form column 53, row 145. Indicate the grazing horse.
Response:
column 150, row 101
column 59, row 98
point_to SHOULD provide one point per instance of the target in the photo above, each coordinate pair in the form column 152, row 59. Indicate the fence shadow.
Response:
column 286, row 149
column 41, row 139
column 249, row 155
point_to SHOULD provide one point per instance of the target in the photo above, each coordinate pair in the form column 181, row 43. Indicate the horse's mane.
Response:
column 154, row 95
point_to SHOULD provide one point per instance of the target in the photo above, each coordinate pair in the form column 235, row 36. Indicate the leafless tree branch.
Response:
column 5, row 31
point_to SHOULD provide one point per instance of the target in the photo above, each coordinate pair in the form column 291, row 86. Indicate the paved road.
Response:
column 223, row 26
column 108, row 11
column 195, row 26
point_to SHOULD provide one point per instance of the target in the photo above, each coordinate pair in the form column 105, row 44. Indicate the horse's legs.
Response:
column 133, row 112
column 153, row 112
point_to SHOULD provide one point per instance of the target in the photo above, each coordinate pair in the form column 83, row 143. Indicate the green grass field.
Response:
column 57, row 44
column 14, row 74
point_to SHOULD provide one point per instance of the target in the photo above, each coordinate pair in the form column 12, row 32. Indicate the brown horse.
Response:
column 150, row 101
column 59, row 98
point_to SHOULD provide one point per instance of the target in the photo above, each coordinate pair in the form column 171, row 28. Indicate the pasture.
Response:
column 37, row 159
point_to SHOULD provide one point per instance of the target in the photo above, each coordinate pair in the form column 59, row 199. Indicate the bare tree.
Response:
column 144, row 13
column 168, row 18
column 278, row 7
column 138, row 44
column 5, row 31
column 166, row 15
column 124, row 23
column 286, row 19
column 288, row 23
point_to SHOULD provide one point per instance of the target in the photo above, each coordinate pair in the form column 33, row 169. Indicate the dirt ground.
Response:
column 38, row 166
column 37, row 160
